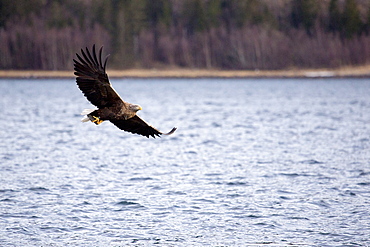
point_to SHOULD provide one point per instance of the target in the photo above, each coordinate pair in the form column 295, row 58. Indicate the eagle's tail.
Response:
column 86, row 112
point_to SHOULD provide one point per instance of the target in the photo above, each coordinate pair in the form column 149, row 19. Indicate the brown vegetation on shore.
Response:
column 353, row 71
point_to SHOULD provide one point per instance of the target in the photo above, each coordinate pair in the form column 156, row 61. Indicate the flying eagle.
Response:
column 93, row 81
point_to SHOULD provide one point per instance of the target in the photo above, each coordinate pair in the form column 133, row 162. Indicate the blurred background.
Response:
column 217, row 34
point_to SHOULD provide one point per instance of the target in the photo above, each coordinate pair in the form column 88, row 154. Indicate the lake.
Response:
column 254, row 162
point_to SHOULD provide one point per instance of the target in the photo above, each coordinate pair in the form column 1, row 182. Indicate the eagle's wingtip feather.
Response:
column 171, row 131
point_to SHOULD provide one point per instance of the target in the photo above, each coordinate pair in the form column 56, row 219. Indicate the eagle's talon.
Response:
column 96, row 120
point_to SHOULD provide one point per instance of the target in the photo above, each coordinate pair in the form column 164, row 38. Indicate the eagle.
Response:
column 93, row 81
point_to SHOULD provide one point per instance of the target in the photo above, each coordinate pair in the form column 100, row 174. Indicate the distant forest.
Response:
column 219, row 34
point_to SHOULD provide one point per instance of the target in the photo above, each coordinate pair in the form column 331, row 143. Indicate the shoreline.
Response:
column 344, row 72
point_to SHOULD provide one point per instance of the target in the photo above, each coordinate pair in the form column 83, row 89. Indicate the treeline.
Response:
column 226, row 34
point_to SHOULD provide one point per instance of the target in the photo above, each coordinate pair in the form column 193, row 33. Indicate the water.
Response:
column 253, row 163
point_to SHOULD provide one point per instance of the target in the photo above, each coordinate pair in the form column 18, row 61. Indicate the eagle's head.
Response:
column 135, row 108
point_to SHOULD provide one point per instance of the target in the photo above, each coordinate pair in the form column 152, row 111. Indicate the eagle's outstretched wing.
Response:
column 93, row 80
column 138, row 126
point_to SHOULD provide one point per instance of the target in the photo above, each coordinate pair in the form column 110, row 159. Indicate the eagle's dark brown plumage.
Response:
column 93, row 81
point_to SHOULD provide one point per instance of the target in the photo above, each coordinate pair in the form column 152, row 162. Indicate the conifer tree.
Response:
column 367, row 25
column 304, row 14
column 351, row 19
column 157, row 14
column 335, row 22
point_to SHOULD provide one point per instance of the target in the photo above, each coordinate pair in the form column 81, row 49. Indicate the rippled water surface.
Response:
column 253, row 163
